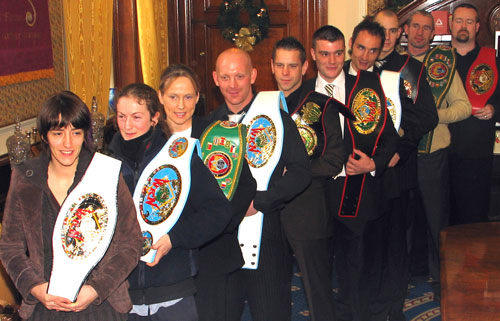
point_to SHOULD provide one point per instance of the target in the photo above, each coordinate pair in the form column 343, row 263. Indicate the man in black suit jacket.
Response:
column 266, row 289
column 306, row 221
column 358, row 238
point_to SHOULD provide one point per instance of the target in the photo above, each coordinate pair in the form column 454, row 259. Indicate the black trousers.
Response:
column 433, row 180
column 212, row 297
column 395, row 266
column 470, row 187
column 358, row 258
column 315, row 260
column 267, row 289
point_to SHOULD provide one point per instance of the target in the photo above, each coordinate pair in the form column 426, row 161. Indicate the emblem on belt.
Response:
column 481, row 78
column 147, row 242
column 261, row 141
column 309, row 114
column 84, row 226
column 228, row 124
column 366, row 108
column 392, row 109
column 408, row 88
column 178, row 147
column 219, row 164
column 160, row 194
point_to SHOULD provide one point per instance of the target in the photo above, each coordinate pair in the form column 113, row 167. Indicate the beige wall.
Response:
column 346, row 14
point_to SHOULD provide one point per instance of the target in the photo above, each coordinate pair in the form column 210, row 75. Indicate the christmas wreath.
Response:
column 243, row 36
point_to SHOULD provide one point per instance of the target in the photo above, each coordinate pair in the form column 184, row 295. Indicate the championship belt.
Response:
column 411, row 72
column 162, row 191
column 482, row 79
column 440, row 66
column 264, row 143
column 223, row 152
column 308, row 116
column 390, row 84
column 84, row 227
column 367, row 103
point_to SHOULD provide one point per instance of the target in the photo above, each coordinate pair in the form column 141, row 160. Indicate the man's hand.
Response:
column 485, row 113
column 359, row 166
column 394, row 160
column 51, row 302
column 162, row 247
column 251, row 210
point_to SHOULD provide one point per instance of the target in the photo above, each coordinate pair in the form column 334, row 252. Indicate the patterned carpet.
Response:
column 419, row 305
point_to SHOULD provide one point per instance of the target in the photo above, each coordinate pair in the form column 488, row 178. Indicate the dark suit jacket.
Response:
column 306, row 217
column 418, row 118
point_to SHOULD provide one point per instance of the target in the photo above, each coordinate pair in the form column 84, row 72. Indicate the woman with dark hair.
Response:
column 39, row 193
column 163, row 289
column 179, row 93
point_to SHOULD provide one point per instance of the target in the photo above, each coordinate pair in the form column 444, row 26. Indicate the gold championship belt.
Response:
column 264, row 144
column 84, row 227
column 367, row 103
column 223, row 152
column 162, row 191
column 482, row 79
column 308, row 117
column 440, row 65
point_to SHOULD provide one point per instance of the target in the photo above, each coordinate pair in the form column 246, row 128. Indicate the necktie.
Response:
column 380, row 63
column 329, row 89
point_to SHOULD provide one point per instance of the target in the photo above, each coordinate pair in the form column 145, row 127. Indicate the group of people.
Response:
column 335, row 174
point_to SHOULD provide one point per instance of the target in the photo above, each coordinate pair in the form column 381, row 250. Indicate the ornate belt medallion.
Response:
column 178, row 147
column 366, row 108
column 84, row 226
column 481, row 78
column 261, row 140
column 160, row 194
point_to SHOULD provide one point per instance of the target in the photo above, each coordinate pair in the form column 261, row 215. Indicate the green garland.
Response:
column 244, row 37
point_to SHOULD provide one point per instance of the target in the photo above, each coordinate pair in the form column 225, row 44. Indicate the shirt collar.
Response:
column 353, row 72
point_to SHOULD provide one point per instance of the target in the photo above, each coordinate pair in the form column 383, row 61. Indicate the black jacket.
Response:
column 206, row 214
column 307, row 217
column 474, row 138
column 417, row 119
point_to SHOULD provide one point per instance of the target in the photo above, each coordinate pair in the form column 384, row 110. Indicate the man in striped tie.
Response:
column 356, row 208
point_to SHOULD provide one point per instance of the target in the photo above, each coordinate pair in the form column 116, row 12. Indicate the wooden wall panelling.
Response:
column 126, row 59
column 198, row 40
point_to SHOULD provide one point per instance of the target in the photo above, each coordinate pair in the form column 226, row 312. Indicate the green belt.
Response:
column 223, row 152
column 440, row 66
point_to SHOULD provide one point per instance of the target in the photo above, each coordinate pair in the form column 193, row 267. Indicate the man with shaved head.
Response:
column 267, row 288
column 419, row 116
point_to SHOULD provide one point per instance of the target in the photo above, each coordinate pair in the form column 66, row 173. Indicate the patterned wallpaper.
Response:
column 24, row 99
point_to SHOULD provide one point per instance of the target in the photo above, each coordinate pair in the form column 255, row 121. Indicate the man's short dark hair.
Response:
column 373, row 28
column 467, row 6
column 421, row 12
column 290, row 43
column 328, row 33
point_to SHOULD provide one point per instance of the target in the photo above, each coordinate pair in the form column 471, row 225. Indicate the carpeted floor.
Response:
column 419, row 305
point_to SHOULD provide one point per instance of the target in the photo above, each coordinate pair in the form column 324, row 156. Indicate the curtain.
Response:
column 153, row 43
column 88, row 26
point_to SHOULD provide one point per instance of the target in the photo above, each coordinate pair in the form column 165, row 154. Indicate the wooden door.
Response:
column 195, row 40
